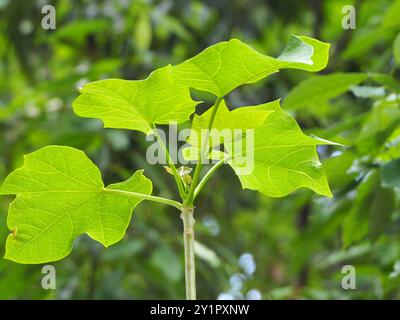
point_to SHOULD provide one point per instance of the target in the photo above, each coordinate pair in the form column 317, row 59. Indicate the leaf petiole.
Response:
column 204, row 146
column 166, row 201
column 171, row 164
column 207, row 176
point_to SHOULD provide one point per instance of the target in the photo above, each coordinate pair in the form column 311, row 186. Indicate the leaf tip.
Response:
column 328, row 193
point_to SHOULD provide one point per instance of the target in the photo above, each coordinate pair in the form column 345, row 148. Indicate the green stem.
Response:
column 188, row 240
column 202, row 155
column 166, row 201
column 171, row 164
column 206, row 177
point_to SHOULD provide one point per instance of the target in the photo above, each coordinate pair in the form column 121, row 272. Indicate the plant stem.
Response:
column 169, row 202
column 171, row 164
column 202, row 154
column 207, row 176
column 188, row 238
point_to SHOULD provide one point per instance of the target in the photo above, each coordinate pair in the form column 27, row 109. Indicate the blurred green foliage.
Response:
column 249, row 246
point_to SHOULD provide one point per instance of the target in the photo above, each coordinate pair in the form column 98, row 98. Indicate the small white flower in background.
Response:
column 31, row 111
column 253, row 294
column 247, row 263
column 225, row 296
column 26, row 27
column 54, row 104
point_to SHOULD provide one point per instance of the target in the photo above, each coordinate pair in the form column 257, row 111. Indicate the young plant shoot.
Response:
column 60, row 193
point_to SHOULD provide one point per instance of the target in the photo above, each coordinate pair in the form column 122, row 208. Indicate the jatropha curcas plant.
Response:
column 60, row 193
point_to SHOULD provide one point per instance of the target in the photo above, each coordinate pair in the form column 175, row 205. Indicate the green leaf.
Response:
column 391, row 174
column 382, row 121
column 78, row 31
column 391, row 16
column 382, row 205
column 316, row 90
column 191, row 153
column 371, row 210
column 337, row 169
column 363, row 41
column 136, row 104
column 143, row 31
column 227, row 65
column 167, row 262
column 305, row 53
column 386, row 80
column 60, row 195
column 285, row 159
column 228, row 122
column 396, row 49
column 355, row 225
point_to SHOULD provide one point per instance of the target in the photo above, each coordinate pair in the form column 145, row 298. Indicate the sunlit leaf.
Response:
column 278, row 159
column 60, row 195
column 227, row 124
column 227, row 65
column 136, row 104
column 285, row 159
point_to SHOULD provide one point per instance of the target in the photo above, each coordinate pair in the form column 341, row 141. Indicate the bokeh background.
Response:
column 250, row 246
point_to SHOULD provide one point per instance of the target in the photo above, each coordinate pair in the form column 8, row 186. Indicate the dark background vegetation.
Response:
column 252, row 246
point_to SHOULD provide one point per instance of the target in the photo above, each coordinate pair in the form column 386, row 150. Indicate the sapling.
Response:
column 60, row 193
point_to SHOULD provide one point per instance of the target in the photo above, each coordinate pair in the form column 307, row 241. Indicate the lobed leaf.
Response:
column 136, row 104
column 227, row 65
column 285, row 159
column 59, row 196
column 226, row 123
